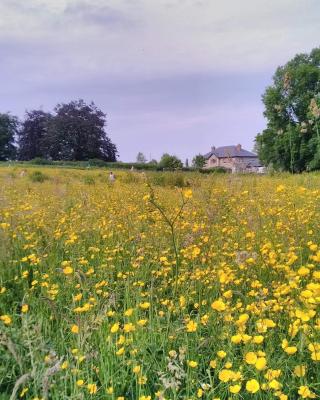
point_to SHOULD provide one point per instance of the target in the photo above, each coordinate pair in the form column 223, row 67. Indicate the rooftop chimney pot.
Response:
column 238, row 147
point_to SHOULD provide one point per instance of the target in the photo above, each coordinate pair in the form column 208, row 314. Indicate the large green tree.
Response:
column 8, row 131
column 32, row 135
column 291, row 140
column 77, row 132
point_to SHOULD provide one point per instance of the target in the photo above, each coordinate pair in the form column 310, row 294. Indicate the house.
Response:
column 234, row 158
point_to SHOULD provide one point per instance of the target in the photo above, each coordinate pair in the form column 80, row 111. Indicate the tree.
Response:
column 170, row 162
column 291, row 140
column 141, row 158
column 32, row 135
column 187, row 163
column 8, row 131
column 198, row 161
column 77, row 132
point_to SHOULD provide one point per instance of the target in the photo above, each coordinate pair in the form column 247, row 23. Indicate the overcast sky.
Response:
column 173, row 76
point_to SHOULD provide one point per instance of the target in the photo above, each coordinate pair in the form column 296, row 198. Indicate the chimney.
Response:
column 238, row 147
column 213, row 148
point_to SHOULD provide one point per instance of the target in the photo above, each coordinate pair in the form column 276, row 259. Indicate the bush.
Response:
column 38, row 176
column 173, row 179
column 89, row 180
column 40, row 161
column 96, row 162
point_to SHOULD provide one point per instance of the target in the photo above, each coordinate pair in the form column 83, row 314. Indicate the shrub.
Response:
column 40, row 161
column 96, row 162
column 173, row 179
column 89, row 180
column 38, row 176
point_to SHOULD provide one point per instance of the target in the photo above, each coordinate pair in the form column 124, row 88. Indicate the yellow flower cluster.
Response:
column 125, row 292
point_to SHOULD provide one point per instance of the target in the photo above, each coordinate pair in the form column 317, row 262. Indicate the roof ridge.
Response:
column 231, row 151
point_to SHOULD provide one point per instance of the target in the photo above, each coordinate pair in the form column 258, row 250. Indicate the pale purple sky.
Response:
column 173, row 76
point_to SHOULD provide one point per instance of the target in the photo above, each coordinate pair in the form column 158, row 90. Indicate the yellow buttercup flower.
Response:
column 291, row 350
column 252, row 386
column 120, row 352
column 235, row 389
column 187, row 194
column 258, row 339
column 218, row 305
column 128, row 312
column 75, row 329
column 299, row 371
column 191, row 326
column 68, row 270
column 250, row 358
column 6, row 319
column 225, row 375
column 192, row 364
column 129, row 327
column 115, row 327
column 24, row 308
column 306, row 393
column 136, row 369
column 221, row 354
column 92, row 388
column 213, row 364
column 261, row 363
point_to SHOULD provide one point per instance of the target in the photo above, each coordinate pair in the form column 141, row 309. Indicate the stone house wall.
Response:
column 236, row 164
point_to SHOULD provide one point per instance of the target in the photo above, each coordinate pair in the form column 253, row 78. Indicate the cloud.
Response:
column 98, row 14
column 187, row 67
column 147, row 38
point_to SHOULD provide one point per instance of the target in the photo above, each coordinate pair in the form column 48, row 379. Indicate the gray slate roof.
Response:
column 230, row 151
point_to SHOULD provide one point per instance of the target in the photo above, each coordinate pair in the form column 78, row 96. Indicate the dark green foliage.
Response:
column 291, row 140
column 38, row 176
column 40, row 161
column 32, row 135
column 95, row 162
column 8, row 130
column 89, row 180
column 77, row 133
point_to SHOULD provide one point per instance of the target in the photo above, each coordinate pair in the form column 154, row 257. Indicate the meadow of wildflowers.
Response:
column 135, row 290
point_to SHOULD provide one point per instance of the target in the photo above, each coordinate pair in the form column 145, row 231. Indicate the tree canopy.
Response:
column 291, row 140
column 74, row 132
column 198, row 161
column 32, row 135
column 170, row 162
